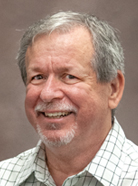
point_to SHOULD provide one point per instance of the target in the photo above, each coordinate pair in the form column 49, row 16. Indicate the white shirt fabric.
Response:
column 115, row 164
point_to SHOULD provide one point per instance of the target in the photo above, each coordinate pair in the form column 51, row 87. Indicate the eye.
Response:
column 70, row 76
column 70, row 79
column 37, row 77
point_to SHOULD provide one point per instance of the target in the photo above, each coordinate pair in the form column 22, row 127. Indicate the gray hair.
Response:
column 108, row 58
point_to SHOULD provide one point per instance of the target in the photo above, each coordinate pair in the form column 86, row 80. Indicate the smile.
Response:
column 56, row 114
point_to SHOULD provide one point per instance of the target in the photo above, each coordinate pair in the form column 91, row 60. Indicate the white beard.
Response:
column 64, row 140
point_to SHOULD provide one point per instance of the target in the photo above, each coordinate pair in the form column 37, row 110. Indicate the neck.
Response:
column 72, row 158
column 69, row 160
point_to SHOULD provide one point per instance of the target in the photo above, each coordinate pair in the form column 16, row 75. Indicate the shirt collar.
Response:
column 35, row 163
column 29, row 164
column 108, row 162
column 105, row 167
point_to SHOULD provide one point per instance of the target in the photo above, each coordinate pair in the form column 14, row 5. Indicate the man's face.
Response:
column 64, row 102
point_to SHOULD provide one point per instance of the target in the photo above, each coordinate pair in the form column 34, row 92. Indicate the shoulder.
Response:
column 18, row 160
column 130, row 163
column 131, row 150
column 13, row 166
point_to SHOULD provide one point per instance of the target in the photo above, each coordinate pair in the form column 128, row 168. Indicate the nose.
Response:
column 52, row 89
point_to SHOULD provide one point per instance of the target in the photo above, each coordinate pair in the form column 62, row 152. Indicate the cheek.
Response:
column 89, row 102
column 80, row 95
column 84, row 99
column 32, row 96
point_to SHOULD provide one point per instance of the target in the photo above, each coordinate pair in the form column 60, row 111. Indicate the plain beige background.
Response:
column 16, row 134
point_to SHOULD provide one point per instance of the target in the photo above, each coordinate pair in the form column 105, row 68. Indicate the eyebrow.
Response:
column 34, row 69
column 58, row 69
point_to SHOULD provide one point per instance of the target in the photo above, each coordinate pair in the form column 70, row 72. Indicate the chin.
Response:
column 56, row 140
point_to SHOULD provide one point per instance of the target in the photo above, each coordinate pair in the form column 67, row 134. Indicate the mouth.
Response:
column 56, row 114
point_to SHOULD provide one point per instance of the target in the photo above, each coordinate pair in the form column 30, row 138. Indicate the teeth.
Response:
column 56, row 114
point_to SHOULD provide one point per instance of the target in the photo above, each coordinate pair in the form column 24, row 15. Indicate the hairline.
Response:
column 59, row 31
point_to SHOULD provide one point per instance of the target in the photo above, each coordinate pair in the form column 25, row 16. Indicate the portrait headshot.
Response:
column 69, row 93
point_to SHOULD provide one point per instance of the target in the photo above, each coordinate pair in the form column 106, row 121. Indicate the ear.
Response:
column 117, row 88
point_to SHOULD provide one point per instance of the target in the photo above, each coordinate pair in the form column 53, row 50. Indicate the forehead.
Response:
column 77, row 43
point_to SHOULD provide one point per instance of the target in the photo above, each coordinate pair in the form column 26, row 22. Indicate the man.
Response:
column 72, row 66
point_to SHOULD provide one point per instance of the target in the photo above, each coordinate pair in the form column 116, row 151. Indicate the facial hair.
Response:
column 69, row 135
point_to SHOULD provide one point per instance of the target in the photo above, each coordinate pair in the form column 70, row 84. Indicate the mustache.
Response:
column 58, row 106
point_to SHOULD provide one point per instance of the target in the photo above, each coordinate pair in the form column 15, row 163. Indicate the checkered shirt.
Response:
column 115, row 164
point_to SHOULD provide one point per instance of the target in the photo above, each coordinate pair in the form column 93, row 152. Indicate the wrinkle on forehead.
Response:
column 58, row 47
column 76, row 37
